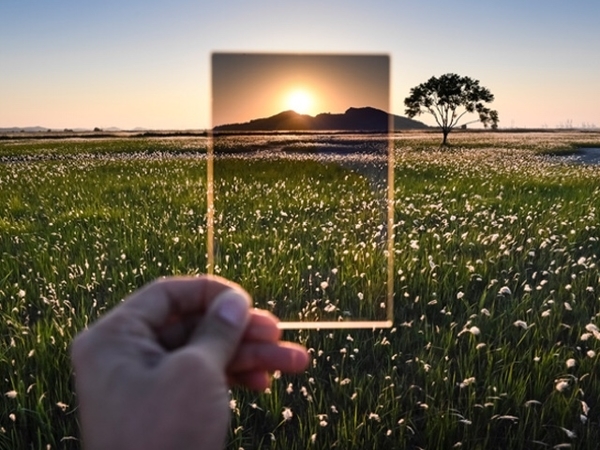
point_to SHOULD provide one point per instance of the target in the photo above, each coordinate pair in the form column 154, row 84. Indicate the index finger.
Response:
column 262, row 327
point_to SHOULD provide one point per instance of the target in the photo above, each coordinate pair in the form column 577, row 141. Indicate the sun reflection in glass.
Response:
column 300, row 100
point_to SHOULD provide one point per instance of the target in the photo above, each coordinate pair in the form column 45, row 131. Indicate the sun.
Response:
column 300, row 101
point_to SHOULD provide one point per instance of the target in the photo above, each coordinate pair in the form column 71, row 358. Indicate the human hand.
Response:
column 154, row 373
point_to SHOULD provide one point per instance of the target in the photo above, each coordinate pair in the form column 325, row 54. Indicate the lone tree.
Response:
column 446, row 97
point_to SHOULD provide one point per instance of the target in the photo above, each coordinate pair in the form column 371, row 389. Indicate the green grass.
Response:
column 81, row 227
column 81, row 148
column 286, row 227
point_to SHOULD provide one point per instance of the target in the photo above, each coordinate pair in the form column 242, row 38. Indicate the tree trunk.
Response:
column 445, row 141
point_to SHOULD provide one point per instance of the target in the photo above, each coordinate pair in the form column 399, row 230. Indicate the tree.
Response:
column 446, row 97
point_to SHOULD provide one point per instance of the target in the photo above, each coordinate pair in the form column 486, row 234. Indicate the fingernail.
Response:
column 232, row 308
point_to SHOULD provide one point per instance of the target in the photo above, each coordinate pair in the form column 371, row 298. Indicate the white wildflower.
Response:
column 592, row 328
column 62, row 406
column 570, row 434
column 528, row 403
column 304, row 391
column 287, row 414
column 520, row 323
column 329, row 308
column 505, row 290
column 585, row 408
column 506, row 417
column 466, row 382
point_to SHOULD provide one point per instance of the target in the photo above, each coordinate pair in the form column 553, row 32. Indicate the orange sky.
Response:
column 248, row 86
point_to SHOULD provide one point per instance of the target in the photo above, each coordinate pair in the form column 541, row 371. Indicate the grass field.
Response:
column 496, row 339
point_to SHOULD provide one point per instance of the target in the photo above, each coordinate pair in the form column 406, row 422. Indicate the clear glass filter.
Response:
column 300, row 186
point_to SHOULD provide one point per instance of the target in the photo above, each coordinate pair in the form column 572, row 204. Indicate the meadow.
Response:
column 496, row 337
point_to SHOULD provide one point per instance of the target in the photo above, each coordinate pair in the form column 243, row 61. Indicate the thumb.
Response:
column 221, row 329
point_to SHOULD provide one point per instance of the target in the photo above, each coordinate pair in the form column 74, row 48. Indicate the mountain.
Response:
column 354, row 119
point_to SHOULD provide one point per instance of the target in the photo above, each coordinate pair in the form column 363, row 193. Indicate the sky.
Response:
column 247, row 86
column 133, row 63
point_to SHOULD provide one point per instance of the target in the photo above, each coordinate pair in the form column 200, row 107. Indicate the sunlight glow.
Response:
column 300, row 101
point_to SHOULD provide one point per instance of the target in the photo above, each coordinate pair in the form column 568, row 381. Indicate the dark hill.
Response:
column 354, row 119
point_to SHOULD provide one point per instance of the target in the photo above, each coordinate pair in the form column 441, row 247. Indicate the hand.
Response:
column 154, row 373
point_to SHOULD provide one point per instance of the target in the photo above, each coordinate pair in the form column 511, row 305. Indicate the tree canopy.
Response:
column 448, row 98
